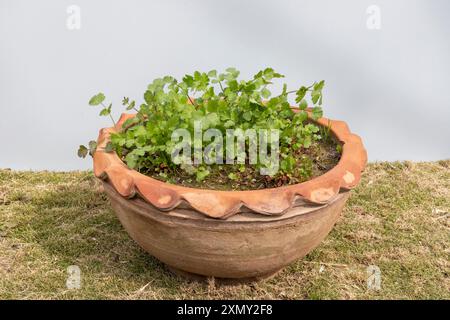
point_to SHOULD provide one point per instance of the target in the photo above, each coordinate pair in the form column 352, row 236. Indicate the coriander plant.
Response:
column 222, row 101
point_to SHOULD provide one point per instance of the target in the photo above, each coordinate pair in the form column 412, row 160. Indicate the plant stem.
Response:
column 112, row 119
column 187, row 94
column 109, row 115
column 221, row 88
column 294, row 91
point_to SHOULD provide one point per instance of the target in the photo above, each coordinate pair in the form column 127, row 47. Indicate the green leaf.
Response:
column 278, row 75
column 130, row 122
column 118, row 139
column 247, row 115
column 288, row 164
column 211, row 120
column 301, row 116
column 303, row 105
column 212, row 105
column 139, row 131
column 139, row 152
column 315, row 96
column 319, row 86
column 148, row 97
column 317, row 113
column 97, row 99
column 82, row 151
column 212, row 74
column 258, row 75
column 233, row 85
column 109, row 147
column 265, row 93
column 233, row 71
column 131, row 105
column 106, row 111
column 307, row 141
column 300, row 94
column 228, row 124
column 131, row 160
column 92, row 147
column 168, row 79
column 268, row 73
column 201, row 175
column 232, row 176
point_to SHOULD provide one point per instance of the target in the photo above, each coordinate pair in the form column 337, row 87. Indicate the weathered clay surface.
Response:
column 245, row 246
column 225, row 204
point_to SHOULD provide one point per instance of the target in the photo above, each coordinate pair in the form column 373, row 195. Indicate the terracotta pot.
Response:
column 229, row 234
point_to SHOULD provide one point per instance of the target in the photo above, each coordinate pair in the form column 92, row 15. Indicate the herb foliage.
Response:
column 221, row 101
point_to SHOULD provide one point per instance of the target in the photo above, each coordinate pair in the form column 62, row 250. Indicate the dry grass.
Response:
column 397, row 219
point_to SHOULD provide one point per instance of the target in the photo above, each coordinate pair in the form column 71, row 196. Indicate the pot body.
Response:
column 251, row 246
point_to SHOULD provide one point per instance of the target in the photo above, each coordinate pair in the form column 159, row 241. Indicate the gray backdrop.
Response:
column 391, row 85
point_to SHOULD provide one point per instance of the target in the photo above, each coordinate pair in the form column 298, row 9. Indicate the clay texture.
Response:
column 245, row 247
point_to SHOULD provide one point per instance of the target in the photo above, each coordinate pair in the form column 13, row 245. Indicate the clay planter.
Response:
column 242, row 235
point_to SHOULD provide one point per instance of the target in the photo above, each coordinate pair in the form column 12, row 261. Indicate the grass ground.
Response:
column 397, row 219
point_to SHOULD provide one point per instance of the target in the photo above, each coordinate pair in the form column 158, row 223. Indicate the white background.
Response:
column 391, row 85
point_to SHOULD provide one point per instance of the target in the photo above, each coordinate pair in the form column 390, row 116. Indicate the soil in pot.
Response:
column 311, row 162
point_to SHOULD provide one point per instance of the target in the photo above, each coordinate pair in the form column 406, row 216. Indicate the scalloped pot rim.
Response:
column 223, row 204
